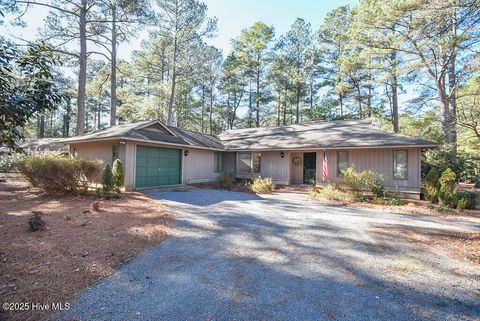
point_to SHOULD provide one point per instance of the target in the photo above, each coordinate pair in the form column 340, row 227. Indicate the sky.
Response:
column 236, row 15
column 233, row 16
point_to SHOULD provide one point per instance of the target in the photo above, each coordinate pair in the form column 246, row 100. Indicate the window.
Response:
column 400, row 164
column 115, row 152
column 342, row 161
column 248, row 162
column 218, row 162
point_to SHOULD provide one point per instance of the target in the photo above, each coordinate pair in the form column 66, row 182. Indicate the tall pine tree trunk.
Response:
column 257, row 98
column 203, row 108
column 340, row 100
column 174, row 80
column 297, row 116
column 394, row 88
column 210, row 117
column 452, row 90
column 82, row 74
column 113, row 70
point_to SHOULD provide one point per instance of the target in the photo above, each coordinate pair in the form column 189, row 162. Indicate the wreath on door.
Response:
column 297, row 161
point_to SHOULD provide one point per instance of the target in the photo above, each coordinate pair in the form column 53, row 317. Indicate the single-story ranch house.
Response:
column 155, row 154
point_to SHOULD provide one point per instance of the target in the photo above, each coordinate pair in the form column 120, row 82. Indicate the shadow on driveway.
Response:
column 244, row 257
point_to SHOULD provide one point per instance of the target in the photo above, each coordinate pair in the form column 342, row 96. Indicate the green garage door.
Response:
column 157, row 166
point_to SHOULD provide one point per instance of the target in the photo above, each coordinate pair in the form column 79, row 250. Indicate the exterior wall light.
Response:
column 186, row 152
column 122, row 142
column 282, row 154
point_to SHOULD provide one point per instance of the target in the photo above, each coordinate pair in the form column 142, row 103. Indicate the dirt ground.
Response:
column 78, row 247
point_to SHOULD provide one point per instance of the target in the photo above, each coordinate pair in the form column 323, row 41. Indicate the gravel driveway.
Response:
column 237, row 256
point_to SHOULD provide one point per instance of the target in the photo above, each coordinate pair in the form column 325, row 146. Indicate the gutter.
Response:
column 81, row 141
column 327, row 148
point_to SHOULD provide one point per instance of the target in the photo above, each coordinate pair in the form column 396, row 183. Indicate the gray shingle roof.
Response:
column 138, row 131
column 333, row 134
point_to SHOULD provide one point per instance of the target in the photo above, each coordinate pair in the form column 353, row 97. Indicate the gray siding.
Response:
column 274, row 166
column 198, row 166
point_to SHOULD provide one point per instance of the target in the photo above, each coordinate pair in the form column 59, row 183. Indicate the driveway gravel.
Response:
column 235, row 256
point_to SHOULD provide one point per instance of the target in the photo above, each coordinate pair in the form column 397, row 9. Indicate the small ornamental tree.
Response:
column 118, row 174
column 448, row 189
column 432, row 185
column 107, row 179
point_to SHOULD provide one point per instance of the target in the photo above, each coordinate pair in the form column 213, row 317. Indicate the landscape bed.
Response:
column 78, row 247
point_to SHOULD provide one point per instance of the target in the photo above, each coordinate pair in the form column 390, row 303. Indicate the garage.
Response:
column 157, row 166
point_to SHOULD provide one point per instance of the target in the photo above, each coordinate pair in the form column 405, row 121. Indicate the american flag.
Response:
column 325, row 165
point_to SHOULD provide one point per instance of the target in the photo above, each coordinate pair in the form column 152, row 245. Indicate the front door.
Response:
column 309, row 167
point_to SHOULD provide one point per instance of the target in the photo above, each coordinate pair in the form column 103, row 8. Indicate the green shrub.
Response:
column 68, row 217
column 35, row 222
column 393, row 201
column 7, row 161
column 57, row 174
column 462, row 204
column 226, row 181
column 430, row 206
column 262, row 185
column 448, row 189
column 365, row 181
column 118, row 174
column 469, row 197
column 107, row 179
column 464, row 164
column 331, row 193
column 444, row 209
column 432, row 185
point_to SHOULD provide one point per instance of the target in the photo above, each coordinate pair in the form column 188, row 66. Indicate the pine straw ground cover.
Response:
column 78, row 247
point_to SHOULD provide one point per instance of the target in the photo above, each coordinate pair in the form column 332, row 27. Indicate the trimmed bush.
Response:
column 35, row 222
column 107, row 179
column 56, row 174
column 469, row 199
column 330, row 192
column 262, row 185
column 226, row 181
column 448, row 189
column 118, row 174
column 432, row 185
column 462, row 204
column 366, row 181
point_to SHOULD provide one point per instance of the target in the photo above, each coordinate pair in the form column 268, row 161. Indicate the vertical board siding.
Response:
column 379, row 160
column 274, row 166
column 199, row 166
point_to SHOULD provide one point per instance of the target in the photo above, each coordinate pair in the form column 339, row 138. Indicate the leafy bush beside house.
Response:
column 118, row 174
column 107, row 179
column 365, row 181
column 466, row 166
column 466, row 199
column 57, row 174
column 330, row 192
column 261, row 185
column 226, row 181
column 448, row 189
column 432, row 185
